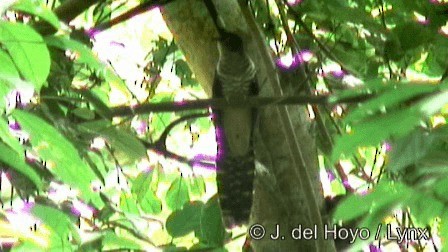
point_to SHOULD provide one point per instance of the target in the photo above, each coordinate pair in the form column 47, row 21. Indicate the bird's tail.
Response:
column 235, row 176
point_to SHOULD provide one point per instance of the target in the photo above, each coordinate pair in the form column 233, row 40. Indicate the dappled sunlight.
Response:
column 81, row 209
column 108, row 141
column 22, row 225
column 59, row 192
column 119, row 46
column 98, row 143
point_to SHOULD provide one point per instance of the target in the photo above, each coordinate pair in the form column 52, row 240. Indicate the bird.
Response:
column 235, row 80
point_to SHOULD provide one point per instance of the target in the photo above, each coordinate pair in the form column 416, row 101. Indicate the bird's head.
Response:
column 231, row 41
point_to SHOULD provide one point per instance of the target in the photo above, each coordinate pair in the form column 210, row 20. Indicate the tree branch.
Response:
column 70, row 9
column 137, row 10
column 220, row 103
column 66, row 12
column 160, row 145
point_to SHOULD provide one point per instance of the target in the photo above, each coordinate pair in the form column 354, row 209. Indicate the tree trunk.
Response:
column 287, row 187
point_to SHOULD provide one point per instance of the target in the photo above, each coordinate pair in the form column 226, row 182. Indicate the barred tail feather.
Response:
column 235, row 176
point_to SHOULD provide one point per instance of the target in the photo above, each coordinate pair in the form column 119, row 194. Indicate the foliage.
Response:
column 388, row 147
column 56, row 97
column 48, row 144
column 396, row 51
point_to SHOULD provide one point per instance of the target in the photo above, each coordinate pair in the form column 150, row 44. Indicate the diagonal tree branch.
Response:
column 66, row 12
column 137, row 10
column 70, row 9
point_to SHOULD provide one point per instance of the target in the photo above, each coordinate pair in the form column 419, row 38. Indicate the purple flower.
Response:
column 331, row 176
column 293, row 2
column 387, row 146
column 339, row 74
column 140, row 126
column 13, row 125
column 92, row 32
column 373, row 248
column 289, row 62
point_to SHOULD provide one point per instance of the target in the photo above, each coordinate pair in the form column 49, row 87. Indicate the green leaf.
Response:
column 212, row 230
column 411, row 35
column 184, row 72
column 4, row 90
column 17, row 162
column 163, row 50
column 146, row 198
column 84, row 113
column 102, row 12
column 128, row 203
column 390, row 98
column 7, row 138
column 425, row 207
column 341, row 11
column 392, row 48
column 60, row 154
column 113, row 241
column 94, row 126
column 410, row 149
column 150, row 204
column 354, row 61
column 161, row 120
column 105, row 213
column 59, row 223
column 441, row 188
column 142, row 184
column 28, row 51
column 197, row 185
column 353, row 206
column 444, row 229
column 433, row 104
column 435, row 63
column 100, row 107
column 385, row 195
column 432, row 66
column 84, row 55
column 182, row 69
column 186, row 220
column 204, row 123
column 128, row 148
column 372, row 86
column 177, row 194
column 7, row 66
column 97, row 164
column 38, row 10
column 375, row 128
column 371, row 132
